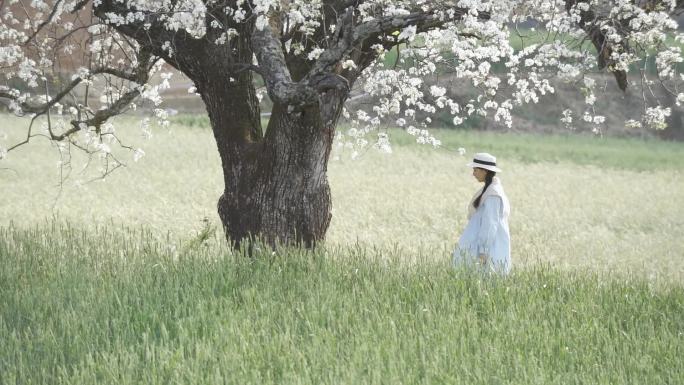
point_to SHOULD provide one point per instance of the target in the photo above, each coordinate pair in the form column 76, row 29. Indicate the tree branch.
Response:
column 101, row 116
column 42, row 108
column 79, row 6
column 341, row 6
column 350, row 36
column 140, row 76
column 278, row 79
column 322, row 77
column 155, row 34
column 44, row 23
column 590, row 22
column 28, row 135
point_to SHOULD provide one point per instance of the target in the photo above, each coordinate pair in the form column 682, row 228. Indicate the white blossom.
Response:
column 383, row 143
column 408, row 33
column 567, row 118
column 349, row 64
column 655, row 117
column 137, row 154
column 315, row 53
column 437, row 91
column 631, row 123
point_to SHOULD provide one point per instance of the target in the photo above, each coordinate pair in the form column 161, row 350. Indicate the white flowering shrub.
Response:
column 80, row 62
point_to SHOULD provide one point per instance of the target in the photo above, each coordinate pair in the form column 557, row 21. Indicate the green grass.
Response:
column 584, row 149
column 119, row 307
column 127, row 280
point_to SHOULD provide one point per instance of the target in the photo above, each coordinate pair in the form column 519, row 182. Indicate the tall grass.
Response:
column 128, row 281
column 99, row 306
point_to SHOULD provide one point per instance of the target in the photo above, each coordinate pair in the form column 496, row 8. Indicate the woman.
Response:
column 485, row 242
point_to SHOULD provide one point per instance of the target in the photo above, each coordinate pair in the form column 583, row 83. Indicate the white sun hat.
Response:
column 484, row 160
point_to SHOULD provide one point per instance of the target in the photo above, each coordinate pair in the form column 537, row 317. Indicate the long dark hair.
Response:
column 488, row 180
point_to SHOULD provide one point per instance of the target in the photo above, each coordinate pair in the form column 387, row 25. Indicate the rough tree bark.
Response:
column 280, row 192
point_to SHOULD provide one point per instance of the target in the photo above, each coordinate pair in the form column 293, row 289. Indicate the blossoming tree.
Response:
column 56, row 54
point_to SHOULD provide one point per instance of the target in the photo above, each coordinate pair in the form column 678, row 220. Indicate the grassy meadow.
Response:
column 577, row 201
column 107, row 281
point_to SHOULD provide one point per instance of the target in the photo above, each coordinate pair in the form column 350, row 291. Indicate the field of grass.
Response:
column 105, row 282
column 577, row 201
column 106, row 307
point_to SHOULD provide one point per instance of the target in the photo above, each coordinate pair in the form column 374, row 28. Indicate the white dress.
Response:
column 487, row 232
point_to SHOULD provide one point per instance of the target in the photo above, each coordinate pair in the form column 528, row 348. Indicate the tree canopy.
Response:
column 55, row 55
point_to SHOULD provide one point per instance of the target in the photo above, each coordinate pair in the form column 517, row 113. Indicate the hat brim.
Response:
column 485, row 166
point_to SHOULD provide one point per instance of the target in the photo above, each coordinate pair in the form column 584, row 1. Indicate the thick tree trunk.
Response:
column 279, row 193
column 276, row 187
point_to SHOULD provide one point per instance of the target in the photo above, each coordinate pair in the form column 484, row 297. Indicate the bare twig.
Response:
column 45, row 22
column 28, row 136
